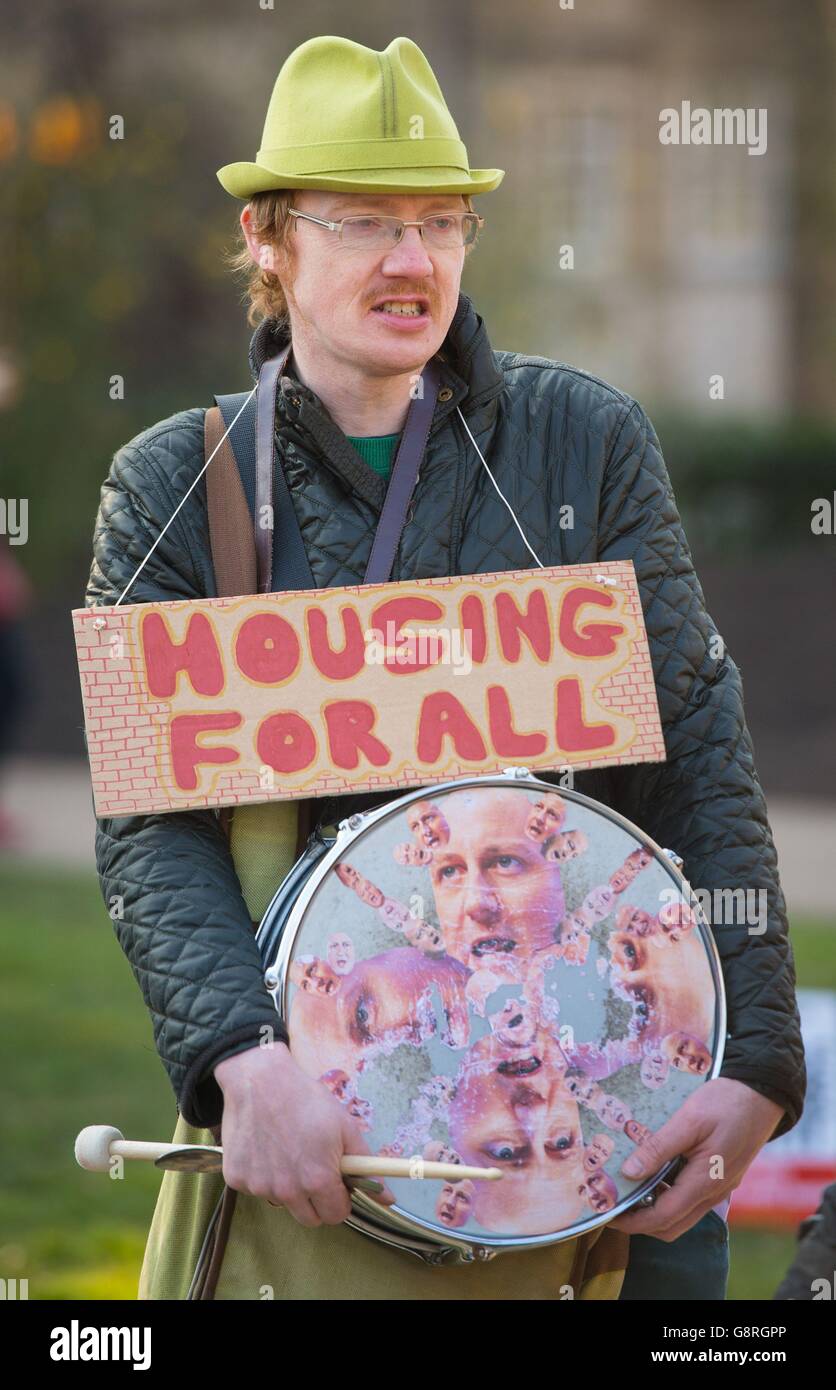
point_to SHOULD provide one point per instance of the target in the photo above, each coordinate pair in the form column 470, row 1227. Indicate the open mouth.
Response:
column 405, row 310
column 493, row 945
column 643, row 1005
column 522, row 1066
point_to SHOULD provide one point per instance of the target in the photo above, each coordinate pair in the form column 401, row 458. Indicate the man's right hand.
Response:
column 283, row 1135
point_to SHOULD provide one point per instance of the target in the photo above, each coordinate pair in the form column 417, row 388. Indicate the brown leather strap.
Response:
column 230, row 526
column 221, row 1236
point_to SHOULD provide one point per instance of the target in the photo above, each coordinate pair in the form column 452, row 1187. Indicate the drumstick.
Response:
column 97, row 1145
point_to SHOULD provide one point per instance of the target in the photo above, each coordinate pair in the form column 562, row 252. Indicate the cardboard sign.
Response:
column 218, row 702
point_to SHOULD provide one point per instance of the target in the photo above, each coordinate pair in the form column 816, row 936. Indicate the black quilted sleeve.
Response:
column 169, row 880
column 705, row 801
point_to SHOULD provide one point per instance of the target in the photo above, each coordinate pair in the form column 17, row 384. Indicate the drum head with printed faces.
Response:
column 498, row 973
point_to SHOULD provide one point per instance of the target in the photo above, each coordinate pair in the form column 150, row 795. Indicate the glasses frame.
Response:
column 398, row 221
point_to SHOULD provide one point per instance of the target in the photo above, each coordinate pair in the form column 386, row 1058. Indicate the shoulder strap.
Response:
column 281, row 561
column 230, row 524
column 284, row 563
column 403, row 478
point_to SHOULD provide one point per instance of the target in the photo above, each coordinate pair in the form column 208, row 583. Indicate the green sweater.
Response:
column 378, row 450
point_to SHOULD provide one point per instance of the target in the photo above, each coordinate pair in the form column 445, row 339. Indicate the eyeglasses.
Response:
column 445, row 230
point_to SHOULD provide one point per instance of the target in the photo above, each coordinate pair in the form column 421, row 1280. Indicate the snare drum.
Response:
column 497, row 972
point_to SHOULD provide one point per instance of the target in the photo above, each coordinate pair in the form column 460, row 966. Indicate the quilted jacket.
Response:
column 552, row 435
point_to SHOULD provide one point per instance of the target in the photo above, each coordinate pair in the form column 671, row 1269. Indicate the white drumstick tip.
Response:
column 92, row 1147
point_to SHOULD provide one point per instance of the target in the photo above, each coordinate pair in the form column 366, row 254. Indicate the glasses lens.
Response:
column 369, row 231
column 446, row 230
column 470, row 227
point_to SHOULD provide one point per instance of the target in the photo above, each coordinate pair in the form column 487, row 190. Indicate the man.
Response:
column 366, row 304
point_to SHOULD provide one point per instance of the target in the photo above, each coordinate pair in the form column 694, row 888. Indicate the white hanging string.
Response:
column 197, row 479
column 504, row 498
column 183, row 499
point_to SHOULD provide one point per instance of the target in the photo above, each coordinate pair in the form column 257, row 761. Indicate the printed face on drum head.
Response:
column 670, row 990
column 341, row 953
column 366, row 891
column 495, row 894
column 412, row 855
column 599, row 1191
column 565, row 846
column 438, row 1152
column 598, row 1151
column 686, row 1054
column 546, row 816
column 635, row 920
column 654, row 1071
column 427, row 824
column 313, row 976
column 583, row 1088
column 675, row 920
column 612, row 1111
column 385, row 1001
column 513, row 1111
column 636, row 1133
column 455, row 1203
column 424, row 936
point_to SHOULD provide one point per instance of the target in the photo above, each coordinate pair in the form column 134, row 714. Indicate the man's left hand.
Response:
column 719, row 1130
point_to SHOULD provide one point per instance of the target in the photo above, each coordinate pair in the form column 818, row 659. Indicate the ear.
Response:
column 253, row 244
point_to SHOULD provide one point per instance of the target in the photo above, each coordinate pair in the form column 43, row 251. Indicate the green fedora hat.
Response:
column 347, row 117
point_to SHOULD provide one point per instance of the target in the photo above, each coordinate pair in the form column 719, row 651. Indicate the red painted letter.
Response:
column 198, row 655
column 267, row 649
column 285, row 741
column 595, row 639
column 349, row 724
column 442, row 714
column 507, row 743
column 535, row 623
column 341, row 665
column 187, row 753
column 401, row 612
column 573, row 736
column 472, row 622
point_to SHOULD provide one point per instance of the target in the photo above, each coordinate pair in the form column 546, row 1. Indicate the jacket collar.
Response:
column 468, row 371
column 466, row 360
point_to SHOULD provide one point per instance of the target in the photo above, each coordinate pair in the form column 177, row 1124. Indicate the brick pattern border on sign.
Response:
column 130, row 773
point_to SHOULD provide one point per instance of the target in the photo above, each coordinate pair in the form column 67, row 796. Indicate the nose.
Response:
column 482, row 904
column 409, row 258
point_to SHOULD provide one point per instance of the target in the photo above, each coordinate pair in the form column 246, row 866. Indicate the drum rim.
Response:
column 513, row 776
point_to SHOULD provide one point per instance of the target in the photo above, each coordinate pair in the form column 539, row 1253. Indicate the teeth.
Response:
column 412, row 310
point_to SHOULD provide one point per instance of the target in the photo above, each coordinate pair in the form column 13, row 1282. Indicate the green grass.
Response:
column 79, row 1050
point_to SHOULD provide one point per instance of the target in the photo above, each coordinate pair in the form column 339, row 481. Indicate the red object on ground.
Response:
column 780, row 1193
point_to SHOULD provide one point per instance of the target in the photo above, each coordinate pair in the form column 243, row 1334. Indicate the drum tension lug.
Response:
column 676, row 859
